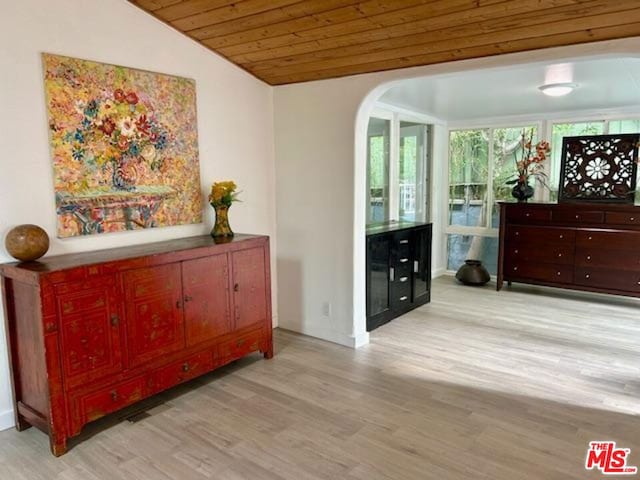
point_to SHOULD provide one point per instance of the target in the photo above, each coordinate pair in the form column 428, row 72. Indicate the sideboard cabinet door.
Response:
column 154, row 303
column 206, row 298
column 249, row 287
column 421, row 267
column 90, row 325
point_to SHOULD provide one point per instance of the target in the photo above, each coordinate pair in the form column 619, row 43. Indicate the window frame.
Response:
column 395, row 116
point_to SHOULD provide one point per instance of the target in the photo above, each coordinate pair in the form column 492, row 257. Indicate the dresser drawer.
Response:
column 522, row 213
column 181, row 371
column 546, row 272
column 239, row 347
column 611, row 240
column 539, row 237
column 604, row 258
column 610, row 279
column 622, row 218
column 558, row 254
column 573, row 216
column 98, row 404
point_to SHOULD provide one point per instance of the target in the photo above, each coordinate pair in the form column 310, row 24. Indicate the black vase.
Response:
column 522, row 191
column 473, row 273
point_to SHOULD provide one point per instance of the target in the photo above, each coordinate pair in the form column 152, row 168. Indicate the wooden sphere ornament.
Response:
column 27, row 242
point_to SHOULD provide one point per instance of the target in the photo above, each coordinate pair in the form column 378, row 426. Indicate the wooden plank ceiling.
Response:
column 288, row 41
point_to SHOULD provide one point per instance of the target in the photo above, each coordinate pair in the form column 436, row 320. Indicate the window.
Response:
column 412, row 171
column 378, row 148
column 397, row 170
column 480, row 163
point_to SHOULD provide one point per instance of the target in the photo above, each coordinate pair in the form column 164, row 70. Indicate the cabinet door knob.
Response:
column 559, row 255
column 587, row 276
column 558, row 273
column 515, row 251
column 178, row 304
column 114, row 396
column 185, row 367
column 561, row 236
column 588, row 257
column 236, row 287
column 187, row 298
column 632, row 219
column 515, row 268
column 115, row 320
column 590, row 238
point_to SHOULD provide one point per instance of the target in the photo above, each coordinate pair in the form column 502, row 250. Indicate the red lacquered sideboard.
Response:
column 91, row 333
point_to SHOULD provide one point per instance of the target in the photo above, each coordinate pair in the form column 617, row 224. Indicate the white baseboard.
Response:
column 331, row 335
column 7, row 420
column 439, row 272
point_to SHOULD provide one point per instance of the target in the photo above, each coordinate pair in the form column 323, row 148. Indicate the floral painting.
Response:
column 124, row 146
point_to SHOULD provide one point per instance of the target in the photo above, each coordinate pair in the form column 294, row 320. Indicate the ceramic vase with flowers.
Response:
column 222, row 196
column 531, row 164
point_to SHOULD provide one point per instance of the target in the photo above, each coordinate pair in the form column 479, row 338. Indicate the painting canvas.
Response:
column 124, row 146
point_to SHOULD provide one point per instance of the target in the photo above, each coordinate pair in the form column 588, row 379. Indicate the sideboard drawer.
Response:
column 609, row 279
column 604, row 258
column 525, row 213
column 183, row 370
column 609, row 240
column 98, row 404
column 558, row 254
column 546, row 272
column 540, row 236
column 622, row 218
column 240, row 346
column 574, row 216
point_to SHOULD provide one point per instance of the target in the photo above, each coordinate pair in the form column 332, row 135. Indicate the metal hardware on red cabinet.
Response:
column 178, row 304
column 587, row 276
column 114, row 396
column 187, row 298
column 115, row 320
column 558, row 273
column 561, row 236
column 185, row 367
column 236, row 288
column 240, row 342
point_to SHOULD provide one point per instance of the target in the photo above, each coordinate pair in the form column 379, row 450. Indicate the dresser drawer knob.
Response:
column 587, row 276
column 515, row 268
column 527, row 214
column 404, row 279
column 114, row 396
column 515, row 251
column 517, row 234
column 185, row 367
column 559, row 255
column 115, row 320
column 404, row 260
column 558, row 273
column 590, row 238
column 561, row 236
column 588, row 257
column 404, row 242
column 632, row 219
column 403, row 298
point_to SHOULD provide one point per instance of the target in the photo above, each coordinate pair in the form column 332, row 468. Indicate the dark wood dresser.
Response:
column 398, row 270
column 92, row 333
column 592, row 247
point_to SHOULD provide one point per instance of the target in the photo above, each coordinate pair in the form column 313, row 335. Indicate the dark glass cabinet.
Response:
column 398, row 270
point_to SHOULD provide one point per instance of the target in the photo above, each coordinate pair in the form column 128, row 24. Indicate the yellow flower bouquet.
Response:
column 222, row 195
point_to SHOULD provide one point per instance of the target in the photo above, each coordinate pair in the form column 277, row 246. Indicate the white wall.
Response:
column 320, row 176
column 235, row 120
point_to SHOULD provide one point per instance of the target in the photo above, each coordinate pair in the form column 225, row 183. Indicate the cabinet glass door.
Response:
column 378, row 281
column 421, row 265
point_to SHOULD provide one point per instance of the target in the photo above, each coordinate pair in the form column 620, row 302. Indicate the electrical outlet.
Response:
column 326, row 309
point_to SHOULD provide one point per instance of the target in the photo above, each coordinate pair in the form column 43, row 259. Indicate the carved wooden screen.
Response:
column 599, row 168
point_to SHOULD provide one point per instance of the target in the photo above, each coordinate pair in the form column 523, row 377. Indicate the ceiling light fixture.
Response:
column 558, row 89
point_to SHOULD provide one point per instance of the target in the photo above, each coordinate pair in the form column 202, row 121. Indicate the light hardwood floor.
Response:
column 476, row 385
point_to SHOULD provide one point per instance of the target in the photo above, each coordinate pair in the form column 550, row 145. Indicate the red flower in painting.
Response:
column 153, row 136
column 123, row 143
column 131, row 98
column 118, row 95
column 143, row 124
column 108, row 126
